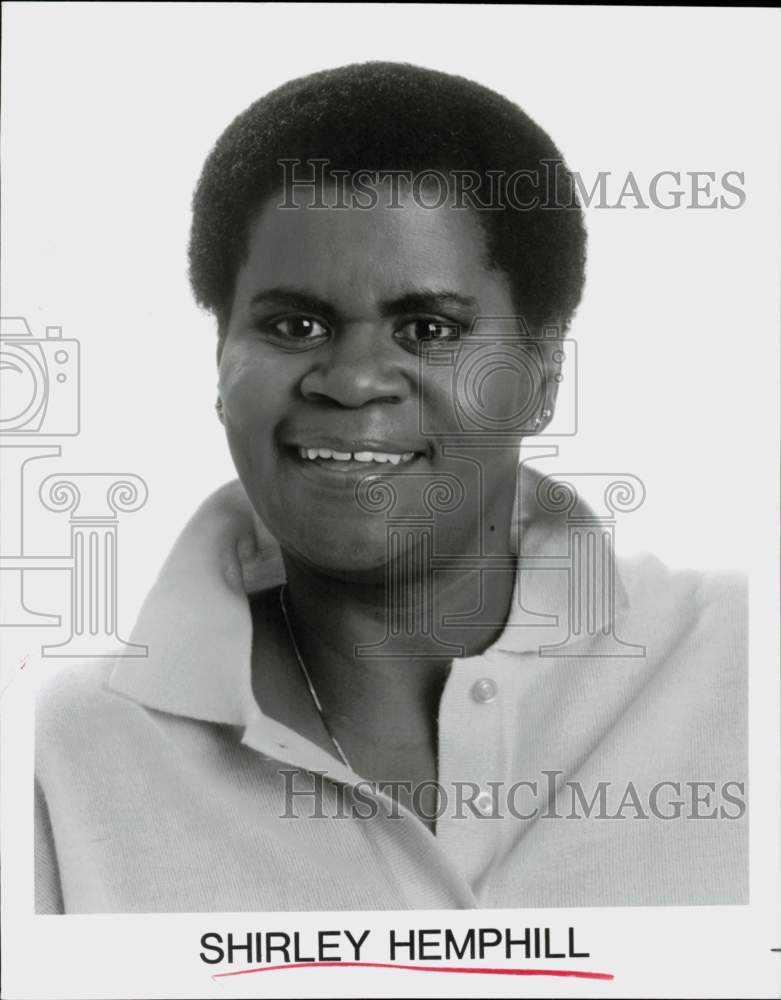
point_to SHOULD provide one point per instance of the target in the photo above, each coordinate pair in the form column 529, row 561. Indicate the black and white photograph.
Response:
column 390, row 550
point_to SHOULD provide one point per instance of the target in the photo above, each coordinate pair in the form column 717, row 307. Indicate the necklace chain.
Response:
column 308, row 679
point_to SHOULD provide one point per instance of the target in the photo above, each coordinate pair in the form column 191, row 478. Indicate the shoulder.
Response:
column 77, row 706
column 694, row 627
column 75, row 688
column 685, row 596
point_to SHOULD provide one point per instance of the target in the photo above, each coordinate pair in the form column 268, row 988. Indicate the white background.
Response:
column 108, row 113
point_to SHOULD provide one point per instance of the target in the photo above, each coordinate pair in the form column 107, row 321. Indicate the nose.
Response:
column 357, row 367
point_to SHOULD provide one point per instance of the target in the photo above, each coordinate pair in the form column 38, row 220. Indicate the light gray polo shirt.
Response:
column 572, row 775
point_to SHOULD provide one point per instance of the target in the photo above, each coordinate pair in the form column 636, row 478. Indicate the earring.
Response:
column 218, row 408
column 546, row 415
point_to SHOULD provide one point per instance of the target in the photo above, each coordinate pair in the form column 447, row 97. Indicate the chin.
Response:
column 357, row 559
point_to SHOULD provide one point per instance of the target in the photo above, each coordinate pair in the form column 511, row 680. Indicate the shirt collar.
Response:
column 197, row 627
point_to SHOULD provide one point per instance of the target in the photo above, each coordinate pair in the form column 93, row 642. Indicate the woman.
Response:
column 387, row 710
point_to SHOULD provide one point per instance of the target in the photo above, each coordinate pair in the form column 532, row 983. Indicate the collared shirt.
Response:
column 582, row 761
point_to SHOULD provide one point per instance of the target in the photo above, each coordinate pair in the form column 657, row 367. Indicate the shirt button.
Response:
column 484, row 803
column 484, row 690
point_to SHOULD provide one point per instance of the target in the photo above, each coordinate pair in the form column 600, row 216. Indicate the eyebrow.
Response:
column 420, row 300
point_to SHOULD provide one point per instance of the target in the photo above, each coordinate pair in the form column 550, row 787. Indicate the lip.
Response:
column 336, row 477
column 353, row 445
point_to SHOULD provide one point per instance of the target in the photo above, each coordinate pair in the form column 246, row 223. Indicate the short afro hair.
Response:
column 382, row 116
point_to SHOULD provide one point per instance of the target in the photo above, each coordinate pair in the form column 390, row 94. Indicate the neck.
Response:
column 411, row 613
column 379, row 654
column 403, row 617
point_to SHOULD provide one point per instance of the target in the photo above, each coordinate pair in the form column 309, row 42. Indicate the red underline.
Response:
column 475, row 970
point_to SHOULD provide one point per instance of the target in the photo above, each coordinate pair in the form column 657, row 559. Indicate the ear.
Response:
column 551, row 345
column 221, row 334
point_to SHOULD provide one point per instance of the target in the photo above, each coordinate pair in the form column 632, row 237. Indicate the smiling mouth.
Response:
column 354, row 460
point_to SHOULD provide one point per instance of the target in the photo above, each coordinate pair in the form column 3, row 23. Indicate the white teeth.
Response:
column 359, row 456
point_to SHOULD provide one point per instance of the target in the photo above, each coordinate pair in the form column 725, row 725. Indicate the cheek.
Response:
column 495, row 398
column 481, row 394
column 255, row 397
column 252, row 392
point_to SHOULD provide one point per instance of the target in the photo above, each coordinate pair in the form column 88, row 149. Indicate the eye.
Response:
column 424, row 331
column 295, row 332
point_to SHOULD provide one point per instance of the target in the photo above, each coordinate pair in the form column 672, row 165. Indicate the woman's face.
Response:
column 349, row 337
